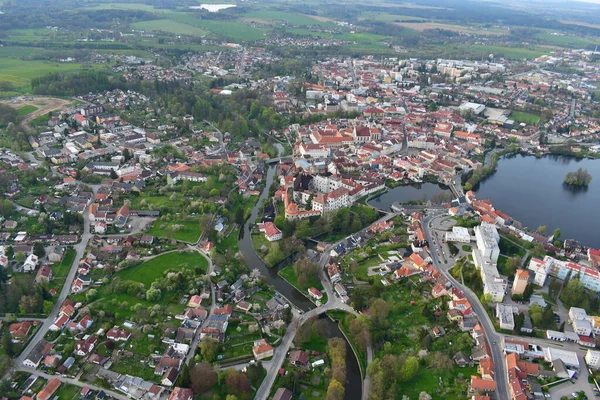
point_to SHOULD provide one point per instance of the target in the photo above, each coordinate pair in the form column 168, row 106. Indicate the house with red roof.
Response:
column 262, row 349
column 482, row 385
column 272, row 233
column 60, row 322
column 20, row 330
column 315, row 294
column 117, row 334
column 48, row 391
column 44, row 275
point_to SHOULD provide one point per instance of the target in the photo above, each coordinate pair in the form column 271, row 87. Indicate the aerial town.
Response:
column 221, row 228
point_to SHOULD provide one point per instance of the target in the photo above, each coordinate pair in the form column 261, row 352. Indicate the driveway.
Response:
column 565, row 389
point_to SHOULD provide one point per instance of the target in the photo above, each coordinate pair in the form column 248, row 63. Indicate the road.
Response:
column 494, row 340
column 333, row 303
column 80, row 251
column 213, row 305
column 74, row 382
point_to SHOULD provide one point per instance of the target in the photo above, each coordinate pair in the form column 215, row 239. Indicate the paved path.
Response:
column 494, row 340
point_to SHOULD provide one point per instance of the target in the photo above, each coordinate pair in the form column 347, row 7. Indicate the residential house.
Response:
column 282, row 394
column 35, row 355
column 44, row 275
column 262, row 349
column 299, row 358
column 169, row 377
column 117, row 334
column 181, row 394
column 48, row 391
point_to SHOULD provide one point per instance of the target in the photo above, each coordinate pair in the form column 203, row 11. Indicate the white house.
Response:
column 30, row 263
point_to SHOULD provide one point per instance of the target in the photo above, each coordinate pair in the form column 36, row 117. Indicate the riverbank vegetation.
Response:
column 580, row 178
column 471, row 179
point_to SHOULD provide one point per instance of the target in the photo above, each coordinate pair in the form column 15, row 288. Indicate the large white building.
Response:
column 589, row 277
column 505, row 316
column 485, row 256
column 569, row 358
column 459, row 234
column 592, row 358
column 487, row 238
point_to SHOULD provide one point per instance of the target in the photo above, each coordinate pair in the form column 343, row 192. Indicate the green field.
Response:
column 529, row 119
column 123, row 6
column 153, row 269
column 385, row 17
column 26, row 110
column 20, row 72
column 566, row 41
column 508, row 52
column 290, row 18
column 233, row 30
column 169, row 26
column 189, row 230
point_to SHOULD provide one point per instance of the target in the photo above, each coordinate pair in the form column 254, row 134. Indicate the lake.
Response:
column 531, row 191
column 403, row 194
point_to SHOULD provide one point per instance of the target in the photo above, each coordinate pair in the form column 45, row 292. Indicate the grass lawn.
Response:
column 502, row 265
column 429, row 380
column 67, row 392
column 169, row 26
column 189, row 230
column 26, row 110
column 153, row 269
column 509, row 248
column 134, row 365
column 529, row 119
column 289, row 275
column 42, row 120
column 61, row 269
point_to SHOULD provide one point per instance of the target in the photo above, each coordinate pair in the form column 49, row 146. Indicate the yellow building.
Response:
column 520, row 283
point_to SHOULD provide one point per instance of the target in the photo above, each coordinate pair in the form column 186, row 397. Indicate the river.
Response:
column 353, row 378
column 531, row 191
column 403, row 194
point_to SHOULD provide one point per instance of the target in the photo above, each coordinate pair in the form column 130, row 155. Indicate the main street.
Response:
column 213, row 305
column 41, row 332
column 494, row 340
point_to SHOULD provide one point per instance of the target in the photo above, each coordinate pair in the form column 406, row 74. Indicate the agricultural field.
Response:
column 507, row 52
column 19, row 72
column 566, row 41
column 169, row 26
column 290, row 18
column 153, row 269
column 385, row 17
column 423, row 26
